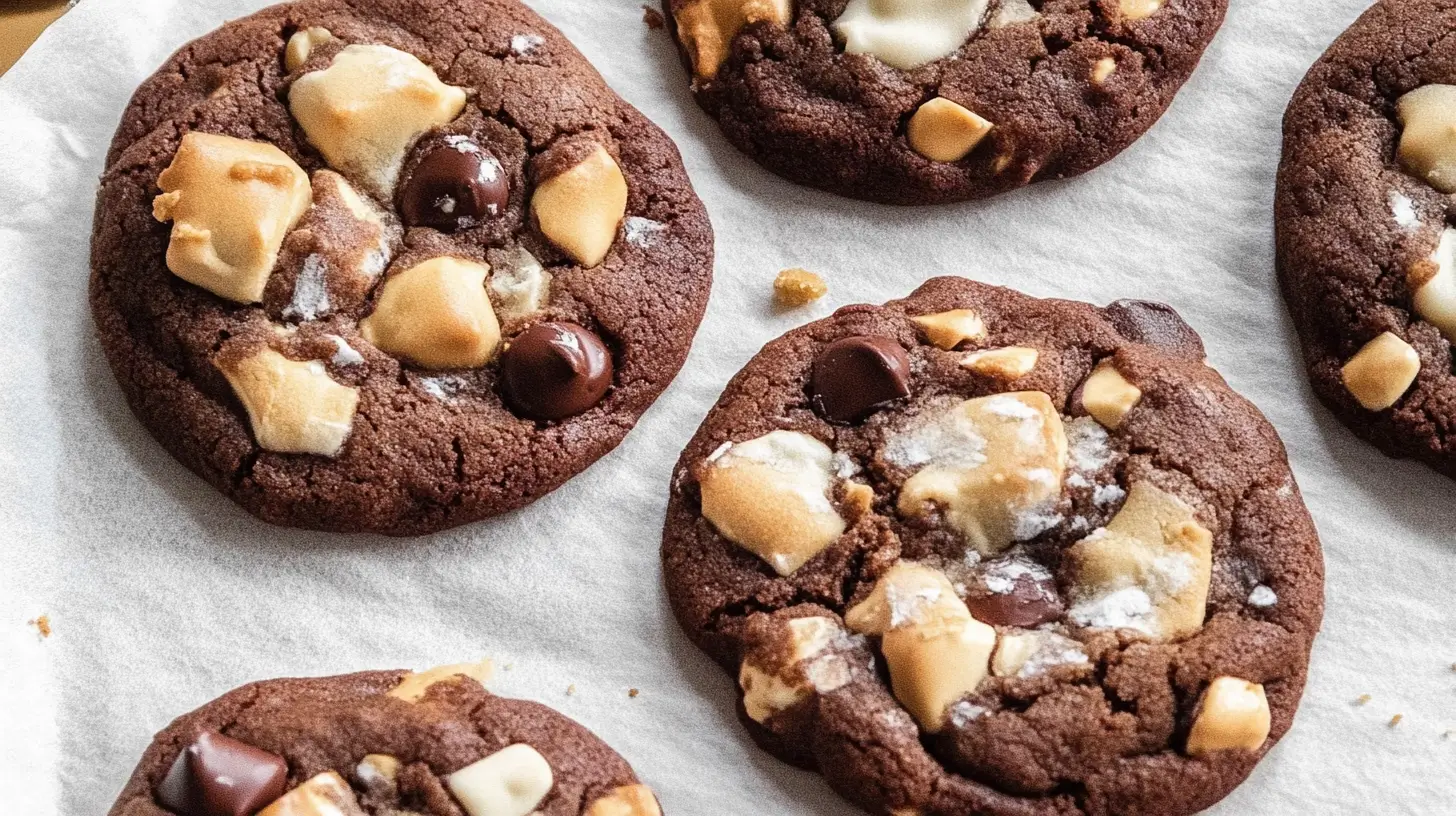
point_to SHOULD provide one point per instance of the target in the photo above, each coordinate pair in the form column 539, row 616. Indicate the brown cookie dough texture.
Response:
column 929, row 101
column 322, row 226
column 974, row 552
column 384, row 743
column 1366, row 227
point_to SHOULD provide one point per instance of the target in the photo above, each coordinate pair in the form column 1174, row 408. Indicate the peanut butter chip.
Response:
column 1102, row 69
column 436, row 314
column 1381, row 372
column 1134, row 10
column 579, row 210
column 707, row 28
column 1428, row 141
column 628, row 800
column 943, row 131
column 947, row 330
column 324, row 795
column 368, row 107
column 412, row 687
column 1234, row 715
column 294, row 407
column 231, row 202
column 1108, row 396
column 509, row 782
column 1433, row 286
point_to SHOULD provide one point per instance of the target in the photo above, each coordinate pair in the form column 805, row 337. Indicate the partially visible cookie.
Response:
column 394, row 266
column 1365, row 223
column 975, row 552
column 937, row 100
column 383, row 743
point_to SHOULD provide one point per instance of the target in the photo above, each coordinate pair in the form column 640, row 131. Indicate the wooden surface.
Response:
column 21, row 21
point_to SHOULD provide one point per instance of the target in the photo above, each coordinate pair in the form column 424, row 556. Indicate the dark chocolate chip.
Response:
column 1155, row 324
column 1030, row 603
column 555, row 370
column 854, row 376
column 219, row 776
column 456, row 185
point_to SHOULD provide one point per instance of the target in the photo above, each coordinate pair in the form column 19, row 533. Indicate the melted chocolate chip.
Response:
column 1030, row 602
column 220, row 776
column 457, row 184
column 555, row 370
column 1155, row 324
column 854, row 376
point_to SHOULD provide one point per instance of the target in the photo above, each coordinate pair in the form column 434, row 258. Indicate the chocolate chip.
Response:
column 456, row 184
column 1155, row 324
column 220, row 776
column 856, row 375
column 1029, row 603
column 555, row 370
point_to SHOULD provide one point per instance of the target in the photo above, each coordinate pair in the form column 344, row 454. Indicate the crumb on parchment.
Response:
column 571, row 689
column 1362, row 699
column 1394, row 721
column 796, row 287
column 633, row 692
column 42, row 625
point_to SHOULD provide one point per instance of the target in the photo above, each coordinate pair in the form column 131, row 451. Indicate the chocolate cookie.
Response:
column 382, row 743
column 1364, row 215
column 392, row 267
column 937, row 100
column 975, row 552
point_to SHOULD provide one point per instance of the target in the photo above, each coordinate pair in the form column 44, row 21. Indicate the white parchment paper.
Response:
column 163, row 595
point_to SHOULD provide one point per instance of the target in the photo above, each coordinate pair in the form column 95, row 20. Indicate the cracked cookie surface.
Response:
column 987, row 96
column 331, row 361
column 380, row 743
column 1048, row 564
column 1366, row 227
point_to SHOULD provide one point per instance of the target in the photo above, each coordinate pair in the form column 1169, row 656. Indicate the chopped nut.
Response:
column 324, row 795
column 1134, row 10
column 1234, row 715
column 706, row 28
column 770, row 495
column 42, row 625
column 436, row 314
column 294, row 407
column 947, row 330
column 1428, row 142
column 1362, row 699
column 631, row 692
column 521, row 286
column 774, row 680
column 412, row 686
column 627, row 800
column 907, row 35
column 1102, row 69
column 1381, row 371
column 509, row 782
column 1394, row 721
column 944, row 131
column 1009, row 363
column 1433, row 286
column 859, row 499
column 301, row 44
column 1108, row 396
column 580, row 209
column 796, row 287
column 231, row 202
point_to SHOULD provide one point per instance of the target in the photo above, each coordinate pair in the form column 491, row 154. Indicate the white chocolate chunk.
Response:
column 773, row 685
column 1381, row 371
column 1009, row 363
column 324, row 795
column 706, row 28
column 1023, row 457
column 579, row 210
column 1032, row 653
column 293, row 406
column 231, row 202
column 520, row 284
column 436, row 314
column 509, row 782
column 368, row 107
column 412, row 687
column 946, row 330
column 1428, row 141
column 1014, row 12
column 944, row 131
column 1108, row 396
column 907, row 34
column 1134, row 10
column 770, row 495
column 301, row 44
column 379, row 774
column 1234, row 715
column 1102, row 69
column 1148, row 570
column 627, row 800
column 1433, row 286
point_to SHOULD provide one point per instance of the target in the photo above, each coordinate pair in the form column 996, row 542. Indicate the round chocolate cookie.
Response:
column 975, row 552
column 1365, row 222
column 931, row 101
column 382, row 743
column 325, row 229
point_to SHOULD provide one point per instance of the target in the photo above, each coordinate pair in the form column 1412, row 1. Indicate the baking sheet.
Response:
column 162, row 594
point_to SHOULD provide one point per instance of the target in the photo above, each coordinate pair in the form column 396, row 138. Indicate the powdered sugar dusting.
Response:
column 1262, row 597
column 1124, row 609
column 526, row 43
column 1103, row 495
column 443, row 387
column 963, row 713
column 640, row 231
column 344, row 354
column 1001, row 575
column 844, row 466
column 1404, row 210
column 1054, row 651
column 310, row 291
column 907, row 608
column 1088, row 446
column 942, row 438
column 1033, row 521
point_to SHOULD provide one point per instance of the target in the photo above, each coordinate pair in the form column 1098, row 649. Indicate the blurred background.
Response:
column 21, row 21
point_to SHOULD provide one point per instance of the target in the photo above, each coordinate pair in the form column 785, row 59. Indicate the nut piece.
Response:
column 908, row 35
column 365, row 110
column 324, row 795
column 231, row 202
column 937, row 652
column 1102, row 69
column 1147, row 570
column 628, row 800
column 1033, row 652
column 943, row 131
column 1009, row 363
column 707, row 28
column 436, row 315
column 520, row 284
column 579, row 210
column 947, row 330
column 1381, row 371
column 770, row 496
column 779, row 679
column 509, row 782
column 796, row 287
column 1234, row 714
column 1433, row 286
column 994, row 497
column 1428, row 142
column 294, row 407
column 412, row 686
column 1134, row 10
column 301, row 44
column 1108, row 396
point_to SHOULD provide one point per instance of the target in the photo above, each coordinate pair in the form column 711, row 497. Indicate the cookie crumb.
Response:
column 1362, row 699
column 633, row 692
column 571, row 690
column 796, row 287
column 42, row 625
column 1394, row 721
column 653, row 18
column 509, row 666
